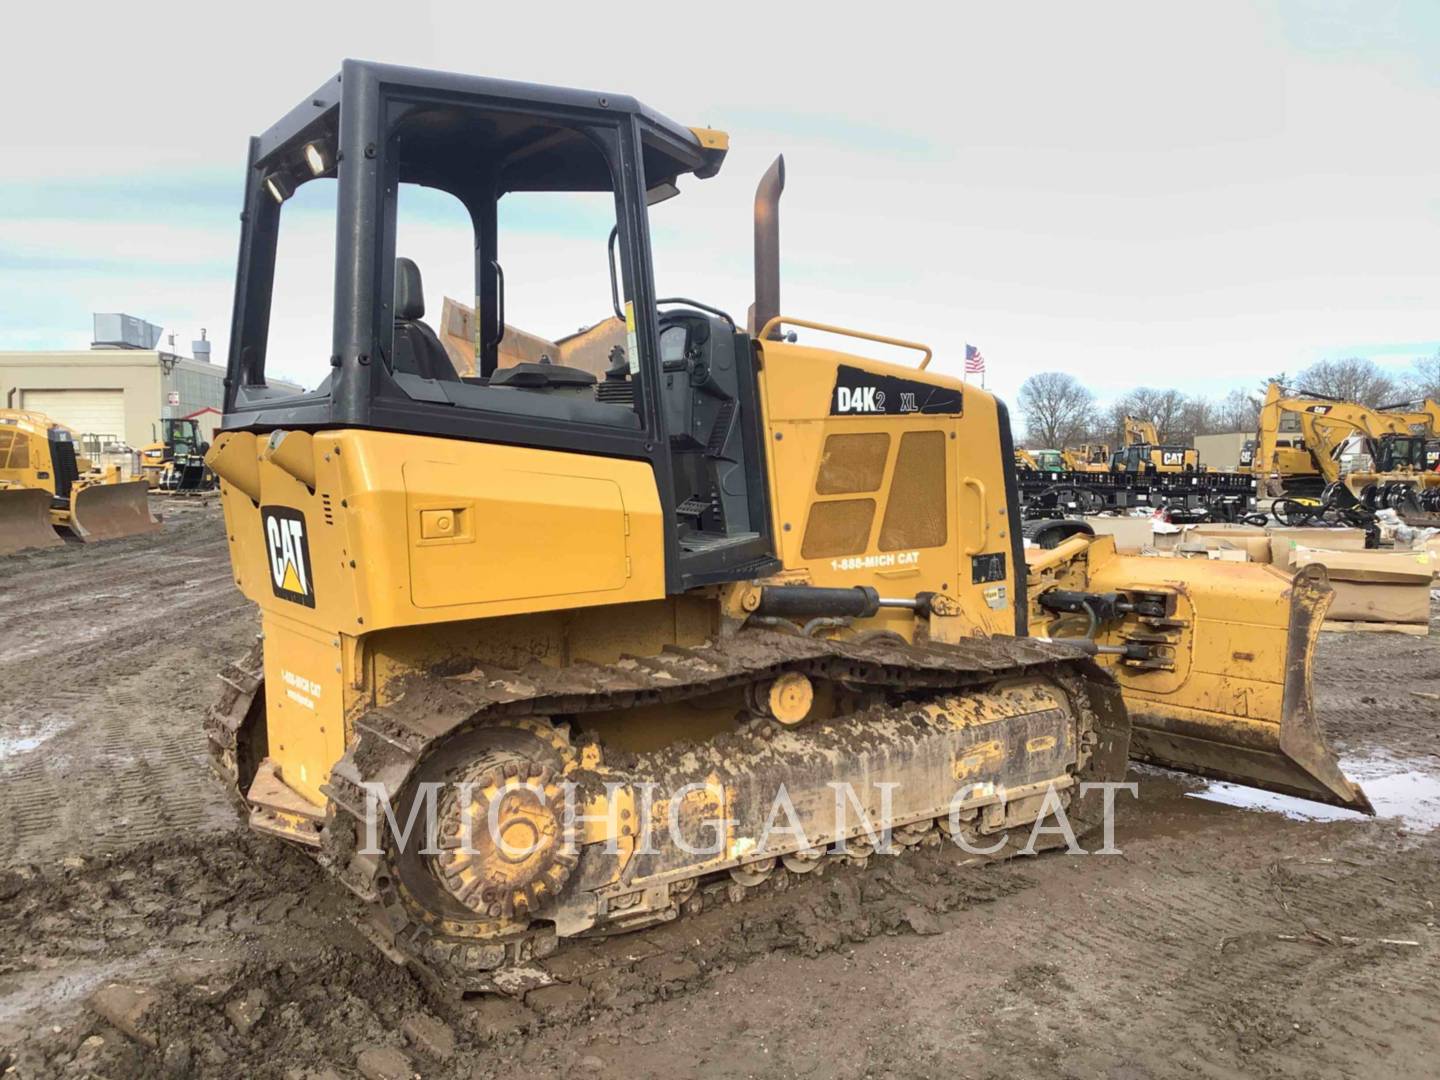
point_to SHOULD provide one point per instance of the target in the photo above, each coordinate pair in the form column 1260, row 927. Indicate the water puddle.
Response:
column 13, row 746
column 1397, row 789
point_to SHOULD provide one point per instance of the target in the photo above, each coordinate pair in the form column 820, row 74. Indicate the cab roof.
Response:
column 453, row 122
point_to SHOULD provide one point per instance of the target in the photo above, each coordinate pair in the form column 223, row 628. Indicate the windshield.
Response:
column 1401, row 452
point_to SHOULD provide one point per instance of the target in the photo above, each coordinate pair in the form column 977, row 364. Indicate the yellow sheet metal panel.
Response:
column 940, row 521
column 524, row 535
column 304, row 702
column 526, row 530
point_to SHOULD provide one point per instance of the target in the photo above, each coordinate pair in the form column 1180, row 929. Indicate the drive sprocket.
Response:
column 505, row 846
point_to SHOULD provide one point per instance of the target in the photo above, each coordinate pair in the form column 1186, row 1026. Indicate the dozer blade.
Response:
column 1236, row 706
column 110, row 511
column 25, row 520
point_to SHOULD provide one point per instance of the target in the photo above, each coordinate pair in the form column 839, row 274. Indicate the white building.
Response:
column 121, row 386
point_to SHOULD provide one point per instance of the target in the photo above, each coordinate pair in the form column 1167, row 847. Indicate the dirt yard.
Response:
column 144, row 931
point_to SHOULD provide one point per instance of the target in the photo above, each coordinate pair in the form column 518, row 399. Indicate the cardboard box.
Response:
column 1133, row 533
column 1369, row 602
column 1230, row 554
column 1390, row 567
column 1249, row 539
column 1432, row 546
column 1283, row 541
column 1223, row 529
column 1374, row 586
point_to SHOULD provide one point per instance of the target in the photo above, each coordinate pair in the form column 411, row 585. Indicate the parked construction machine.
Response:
column 45, row 483
column 1301, row 436
column 174, row 463
column 1089, row 457
column 1143, row 452
column 736, row 564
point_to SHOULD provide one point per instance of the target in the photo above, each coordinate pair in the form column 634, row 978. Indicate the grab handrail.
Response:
column 778, row 319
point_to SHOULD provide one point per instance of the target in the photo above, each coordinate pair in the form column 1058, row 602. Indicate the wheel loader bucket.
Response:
column 1236, row 704
column 110, row 511
column 25, row 520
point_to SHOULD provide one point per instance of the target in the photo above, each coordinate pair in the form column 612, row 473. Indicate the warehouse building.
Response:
column 121, row 386
column 1222, row 451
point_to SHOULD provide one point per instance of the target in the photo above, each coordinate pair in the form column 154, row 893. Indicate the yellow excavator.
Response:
column 1143, row 451
column 1301, row 436
column 45, row 483
column 620, row 647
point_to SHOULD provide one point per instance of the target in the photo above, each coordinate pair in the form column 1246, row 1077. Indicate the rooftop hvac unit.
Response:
column 116, row 331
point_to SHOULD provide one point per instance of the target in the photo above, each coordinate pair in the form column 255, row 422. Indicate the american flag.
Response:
column 974, row 362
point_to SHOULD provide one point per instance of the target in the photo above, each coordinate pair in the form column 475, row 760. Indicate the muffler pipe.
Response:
column 767, row 246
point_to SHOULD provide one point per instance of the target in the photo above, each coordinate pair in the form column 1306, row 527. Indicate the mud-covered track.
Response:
column 394, row 745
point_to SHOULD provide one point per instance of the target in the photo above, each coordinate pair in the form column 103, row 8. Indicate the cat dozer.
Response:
column 39, row 469
column 735, row 609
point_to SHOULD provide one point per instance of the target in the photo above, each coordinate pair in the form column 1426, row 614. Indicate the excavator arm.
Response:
column 1325, row 424
column 1140, row 432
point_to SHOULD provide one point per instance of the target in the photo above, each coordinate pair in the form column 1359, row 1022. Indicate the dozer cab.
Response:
column 45, row 483
column 594, row 627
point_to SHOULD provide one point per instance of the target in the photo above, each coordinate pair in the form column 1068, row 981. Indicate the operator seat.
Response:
column 417, row 351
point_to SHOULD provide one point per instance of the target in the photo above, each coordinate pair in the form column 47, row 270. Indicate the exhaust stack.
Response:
column 767, row 246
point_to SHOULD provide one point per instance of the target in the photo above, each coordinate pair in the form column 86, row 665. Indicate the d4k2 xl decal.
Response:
column 864, row 393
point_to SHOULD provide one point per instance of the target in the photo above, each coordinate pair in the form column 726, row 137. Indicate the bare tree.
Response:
column 1238, row 411
column 1058, row 410
column 1351, row 379
column 1424, row 378
column 1198, row 416
column 1163, row 408
column 1281, row 377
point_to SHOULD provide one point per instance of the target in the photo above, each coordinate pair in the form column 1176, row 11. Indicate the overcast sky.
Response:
column 1192, row 195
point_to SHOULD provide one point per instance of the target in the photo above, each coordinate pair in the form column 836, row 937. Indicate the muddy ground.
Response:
column 144, row 932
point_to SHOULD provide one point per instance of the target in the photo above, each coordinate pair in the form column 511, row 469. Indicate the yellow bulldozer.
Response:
column 1089, row 457
column 45, row 483
column 544, row 652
